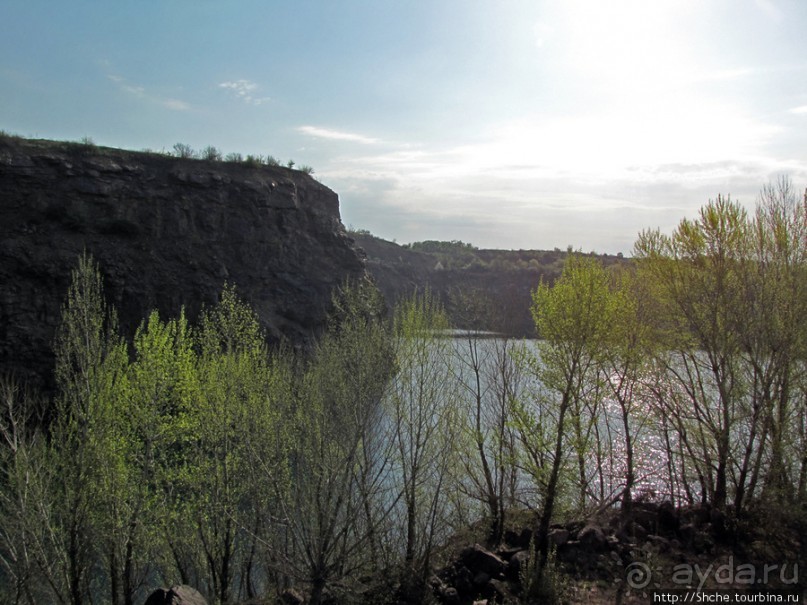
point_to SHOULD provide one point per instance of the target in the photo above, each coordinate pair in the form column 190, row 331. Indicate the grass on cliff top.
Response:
column 180, row 151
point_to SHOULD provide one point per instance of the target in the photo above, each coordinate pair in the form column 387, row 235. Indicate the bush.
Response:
column 306, row 169
column 212, row 154
column 186, row 152
column 234, row 157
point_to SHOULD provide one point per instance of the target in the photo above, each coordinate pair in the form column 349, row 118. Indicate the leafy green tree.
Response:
column 771, row 331
column 626, row 365
column 84, row 447
column 423, row 407
column 695, row 274
column 337, row 503
column 231, row 370
column 162, row 391
column 572, row 320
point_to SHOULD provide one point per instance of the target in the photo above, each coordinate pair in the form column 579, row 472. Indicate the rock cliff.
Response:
column 166, row 232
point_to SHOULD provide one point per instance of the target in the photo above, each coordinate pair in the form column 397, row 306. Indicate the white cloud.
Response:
column 591, row 180
column 337, row 135
column 141, row 93
column 770, row 9
column 175, row 104
column 244, row 90
column 799, row 110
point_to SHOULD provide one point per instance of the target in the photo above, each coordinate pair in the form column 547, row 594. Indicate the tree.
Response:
column 770, row 330
column 24, row 482
column 424, row 413
column 488, row 381
column 626, row 365
column 90, row 367
column 162, row 390
column 232, row 374
column 695, row 273
column 337, row 503
column 572, row 319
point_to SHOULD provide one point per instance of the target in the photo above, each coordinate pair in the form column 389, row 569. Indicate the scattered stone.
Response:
column 176, row 595
column 659, row 542
column 559, row 536
column 291, row 597
column 480, row 559
column 592, row 537
column 668, row 519
column 450, row 596
column 517, row 564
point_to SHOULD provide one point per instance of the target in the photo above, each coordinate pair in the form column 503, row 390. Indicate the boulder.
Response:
column 517, row 564
column 478, row 559
column 668, row 518
column 592, row 536
column 291, row 597
column 558, row 536
column 176, row 595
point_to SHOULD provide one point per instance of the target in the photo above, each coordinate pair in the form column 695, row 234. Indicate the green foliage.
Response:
column 255, row 161
column 438, row 246
column 572, row 315
column 230, row 327
column 87, row 452
column 543, row 584
column 335, row 503
column 196, row 453
column 424, row 411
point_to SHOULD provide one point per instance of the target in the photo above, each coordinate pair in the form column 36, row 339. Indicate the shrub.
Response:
column 234, row 157
column 306, row 169
column 181, row 150
column 254, row 160
column 272, row 161
column 212, row 154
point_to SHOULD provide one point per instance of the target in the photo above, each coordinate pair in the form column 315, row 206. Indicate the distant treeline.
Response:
column 456, row 271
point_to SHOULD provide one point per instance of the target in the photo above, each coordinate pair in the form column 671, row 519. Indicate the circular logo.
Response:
column 638, row 575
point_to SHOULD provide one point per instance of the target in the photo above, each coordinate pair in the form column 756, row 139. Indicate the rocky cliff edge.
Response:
column 167, row 233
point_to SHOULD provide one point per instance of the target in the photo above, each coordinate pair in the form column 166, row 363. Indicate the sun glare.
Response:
column 634, row 70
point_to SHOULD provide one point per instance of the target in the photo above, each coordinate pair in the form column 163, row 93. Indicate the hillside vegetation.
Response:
column 659, row 421
column 481, row 289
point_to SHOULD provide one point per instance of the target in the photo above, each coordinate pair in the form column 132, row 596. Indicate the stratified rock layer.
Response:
column 166, row 232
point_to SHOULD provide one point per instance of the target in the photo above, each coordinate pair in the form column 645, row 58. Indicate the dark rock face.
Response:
column 166, row 232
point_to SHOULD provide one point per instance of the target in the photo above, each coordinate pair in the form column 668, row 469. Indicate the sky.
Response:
column 507, row 124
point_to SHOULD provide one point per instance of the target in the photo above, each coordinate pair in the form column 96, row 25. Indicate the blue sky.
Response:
column 509, row 124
